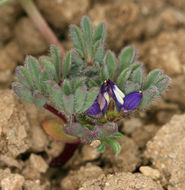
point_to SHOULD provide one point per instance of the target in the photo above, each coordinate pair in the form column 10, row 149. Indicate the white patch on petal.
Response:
column 119, row 94
column 106, row 96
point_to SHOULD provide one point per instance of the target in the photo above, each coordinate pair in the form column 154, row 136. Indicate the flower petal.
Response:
column 132, row 100
column 94, row 109
column 118, row 95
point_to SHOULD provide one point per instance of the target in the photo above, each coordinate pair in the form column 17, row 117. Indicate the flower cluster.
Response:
column 110, row 92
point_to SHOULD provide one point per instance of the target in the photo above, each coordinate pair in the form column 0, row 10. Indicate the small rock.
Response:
column 89, row 153
column 76, row 178
column 150, row 172
column 35, row 185
column 12, row 182
column 38, row 163
column 29, row 38
column 143, row 134
column 66, row 12
column 127, row 160
column 166, row 152
column 14, row 124
column 121, row 181
column 131, row 124
column 8, row 16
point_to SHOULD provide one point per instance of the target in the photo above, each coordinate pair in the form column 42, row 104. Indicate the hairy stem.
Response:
column 41, row 24
column 55, row 112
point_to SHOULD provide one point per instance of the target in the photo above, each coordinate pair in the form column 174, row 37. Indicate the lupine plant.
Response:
column 90, row 90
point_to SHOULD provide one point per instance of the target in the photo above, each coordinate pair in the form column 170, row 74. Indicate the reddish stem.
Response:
column 65, row 155
column 55, row 112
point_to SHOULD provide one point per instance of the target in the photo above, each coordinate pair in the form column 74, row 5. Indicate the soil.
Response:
column 152, row 156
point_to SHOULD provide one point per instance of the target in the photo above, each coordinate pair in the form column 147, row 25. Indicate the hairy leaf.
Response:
column 22, row 92
column 55, row 57
column 126, row 57
column 110, row 65
column 34, row 69
column 39, row 99
column 66, row 64
column 152, row 77
column 113, row 144
column 87, row 30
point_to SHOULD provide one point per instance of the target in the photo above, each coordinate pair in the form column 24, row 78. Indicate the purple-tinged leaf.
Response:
column 22, row 92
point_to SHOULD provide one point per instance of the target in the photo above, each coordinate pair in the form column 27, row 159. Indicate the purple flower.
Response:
column 132, row 100
column 110, row 91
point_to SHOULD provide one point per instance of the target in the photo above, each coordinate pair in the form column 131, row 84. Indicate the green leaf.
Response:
column 66, row 64
column 138, row 76
column 75, row 83
column 148, row 96
column 21, row 77
column 87, row 30
column 124, row 74
column 91, row 83
column 79, row 99
column 102, row 77
column 27, row 75
column 39, row 99
column 22, row 92
column 131, row 87
column 56, row 96
column 90, row 98
column 101, row 148
column 76, row 58
column 99, row 32
column 110, row 65
column 34, row 69
column 55, row 57
column 49, row 67
column 113, row 144
column 45, row 76
column 162, row 83
column 77, row 38
column 99, row 54
column 126, row 57
column 69, row 103
column 66, row 87
column 117, row 135
column 152, row 77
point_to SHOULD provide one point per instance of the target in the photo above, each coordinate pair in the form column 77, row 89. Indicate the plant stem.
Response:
column 55, row 112
column 41, row 25
column 65, row 155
